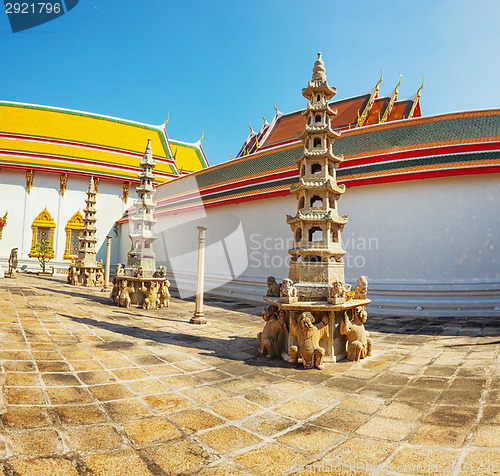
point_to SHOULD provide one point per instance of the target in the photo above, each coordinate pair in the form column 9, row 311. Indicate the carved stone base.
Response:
column 90, row 276
column 134, row 285
column 288, row 300
column 316, row 273
column 336, row 300
column 335, row 345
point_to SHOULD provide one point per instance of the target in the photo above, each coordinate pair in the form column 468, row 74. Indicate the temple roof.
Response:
column 358, row 111
column 426, row 147
column 74, row 142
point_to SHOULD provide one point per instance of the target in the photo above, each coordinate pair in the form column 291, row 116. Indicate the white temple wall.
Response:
column 23, row 208
column 428, row 247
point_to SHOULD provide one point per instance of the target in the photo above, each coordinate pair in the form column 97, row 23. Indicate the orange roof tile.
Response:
column 400, row 110
column 377, row 111
column 291, row 125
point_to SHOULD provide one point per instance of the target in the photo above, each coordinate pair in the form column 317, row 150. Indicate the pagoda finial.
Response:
column 319, row 72
column 148, row 156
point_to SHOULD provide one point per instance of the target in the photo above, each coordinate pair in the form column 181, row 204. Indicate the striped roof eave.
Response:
column 420, row 149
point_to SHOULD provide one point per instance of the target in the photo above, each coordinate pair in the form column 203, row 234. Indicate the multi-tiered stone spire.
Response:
column 317, row 250
column 86, row 250
column 143, row 222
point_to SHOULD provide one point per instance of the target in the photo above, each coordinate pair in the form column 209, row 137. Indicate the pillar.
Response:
column 199, row 317
column 108, row 263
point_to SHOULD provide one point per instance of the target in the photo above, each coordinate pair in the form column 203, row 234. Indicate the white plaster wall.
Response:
column 441, row 233
column 23, row 208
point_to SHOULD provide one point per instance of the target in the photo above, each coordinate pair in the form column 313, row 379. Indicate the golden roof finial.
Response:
column 379, row 81
column 250, row 127
column 263, row 116
column 421, row 87
column 415, row 102
column 202, row 134
column 168, row 117
column 274, row 105
column 230, row 157
column 399, row 84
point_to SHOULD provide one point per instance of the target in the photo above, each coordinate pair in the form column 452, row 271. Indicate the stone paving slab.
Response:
column 92, row 389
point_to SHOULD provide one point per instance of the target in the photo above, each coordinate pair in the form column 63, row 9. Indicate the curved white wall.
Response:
column 427, row 246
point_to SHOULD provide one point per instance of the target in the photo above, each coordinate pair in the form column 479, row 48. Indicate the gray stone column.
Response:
column 108, row 263
column 199, row 317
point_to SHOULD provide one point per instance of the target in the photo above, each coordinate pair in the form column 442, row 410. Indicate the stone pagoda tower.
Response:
column 142, row 235
column 314, row 316
column 317, row 250
column 86, row 250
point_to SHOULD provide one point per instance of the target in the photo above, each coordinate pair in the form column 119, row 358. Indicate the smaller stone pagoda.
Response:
column 86, row 270
column 142, row 235
column 140, row 283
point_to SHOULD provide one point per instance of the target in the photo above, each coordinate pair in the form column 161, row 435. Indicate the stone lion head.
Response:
column 306, row 320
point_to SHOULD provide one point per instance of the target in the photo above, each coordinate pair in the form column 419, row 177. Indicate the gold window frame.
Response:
column 43, row 220
column 74, row 223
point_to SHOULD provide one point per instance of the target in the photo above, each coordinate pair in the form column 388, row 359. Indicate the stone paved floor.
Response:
column 92, row 389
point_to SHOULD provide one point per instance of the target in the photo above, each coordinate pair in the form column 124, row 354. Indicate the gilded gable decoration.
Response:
column 3, row 222
column 125, row 189
column 30, row 175
column 63, row 182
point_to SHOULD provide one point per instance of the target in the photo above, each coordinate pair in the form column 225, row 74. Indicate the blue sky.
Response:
column 215, row 65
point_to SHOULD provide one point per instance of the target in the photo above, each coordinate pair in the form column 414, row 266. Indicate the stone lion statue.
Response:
column 287, row 289
column 124, row 291
column 99, row 279
column 161, row 272
column 150, row 295
column 115, row 291
column 90, row 277
column 361, row 288
column 269, row 337
column 75, row 276
column 273, row 288
column 13, row 262
column 308, row 336
column 337, row 290
column 359, row 345
column 164, row 300
column 119, row 271
column 70, row 271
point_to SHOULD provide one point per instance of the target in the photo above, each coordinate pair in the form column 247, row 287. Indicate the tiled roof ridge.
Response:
column 351, row 133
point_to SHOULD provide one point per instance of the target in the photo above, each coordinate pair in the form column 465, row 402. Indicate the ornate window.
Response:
column 316, row 168
column 73, row 234
column 315, row 234
column 43, row 229
column 316, row 202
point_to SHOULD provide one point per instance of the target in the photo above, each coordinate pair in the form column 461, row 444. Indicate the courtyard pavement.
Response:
column 93, row 389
